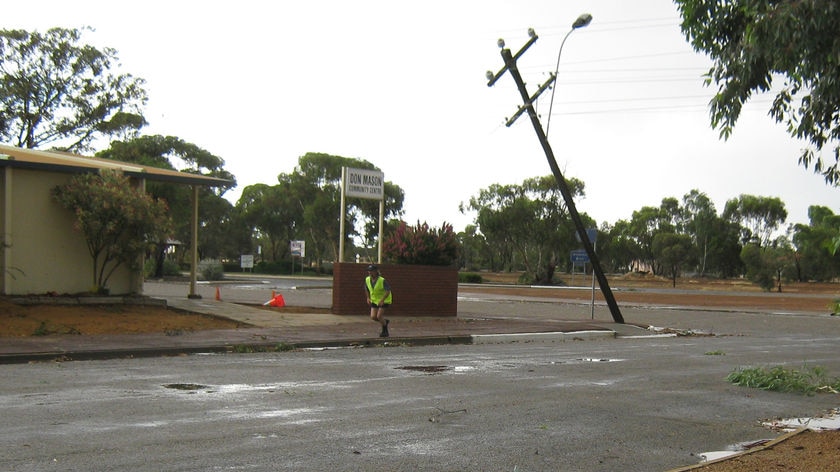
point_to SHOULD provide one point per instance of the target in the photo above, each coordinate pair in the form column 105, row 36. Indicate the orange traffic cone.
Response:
column 218, row 294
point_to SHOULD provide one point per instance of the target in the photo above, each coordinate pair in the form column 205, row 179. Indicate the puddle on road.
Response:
column 220, row 389
column 584, row 360
column 426, row 369
column 188, row 387
column 431, row 370
column 239, row 389
column 439, row 369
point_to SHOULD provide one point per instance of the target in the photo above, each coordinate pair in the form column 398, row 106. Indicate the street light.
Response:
column 581, row 22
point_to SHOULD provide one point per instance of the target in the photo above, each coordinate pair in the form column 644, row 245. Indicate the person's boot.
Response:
column 384, row 333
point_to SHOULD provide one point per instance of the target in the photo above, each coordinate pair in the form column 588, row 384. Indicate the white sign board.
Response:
column 361, row 183
column 298, row 248
column 246, row 261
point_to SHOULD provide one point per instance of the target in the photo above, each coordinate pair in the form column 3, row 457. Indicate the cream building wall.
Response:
column 43, row 252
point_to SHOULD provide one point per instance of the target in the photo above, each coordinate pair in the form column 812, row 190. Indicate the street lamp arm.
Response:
column 581, row 21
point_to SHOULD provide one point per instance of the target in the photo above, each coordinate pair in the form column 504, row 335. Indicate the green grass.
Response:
column 807, row 381
column 41, row 330
column 251, row 349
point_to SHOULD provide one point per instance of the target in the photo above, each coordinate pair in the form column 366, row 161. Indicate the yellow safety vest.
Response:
column 377, row 291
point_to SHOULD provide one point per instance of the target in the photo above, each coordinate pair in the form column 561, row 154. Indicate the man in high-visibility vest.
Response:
column 379, row 297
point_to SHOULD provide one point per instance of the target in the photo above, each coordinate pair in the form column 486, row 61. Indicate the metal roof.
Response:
column 56, row 161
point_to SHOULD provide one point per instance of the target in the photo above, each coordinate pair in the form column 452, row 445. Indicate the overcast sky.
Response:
column 402, row 85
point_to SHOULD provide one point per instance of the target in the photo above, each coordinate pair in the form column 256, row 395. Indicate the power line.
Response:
column 611, row 100
column 630, row 80
column 618, row 25
column 658, row 108
column 640, row 69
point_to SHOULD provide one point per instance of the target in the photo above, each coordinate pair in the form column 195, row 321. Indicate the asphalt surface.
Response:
column 481, row 319
column 573, row 391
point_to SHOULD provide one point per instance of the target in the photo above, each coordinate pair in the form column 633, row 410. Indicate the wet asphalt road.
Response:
column 624, row 404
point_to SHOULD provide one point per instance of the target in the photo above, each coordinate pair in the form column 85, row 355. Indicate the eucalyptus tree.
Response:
column 770, row 264
column 529, row 221
column 646, row 223
column 219, row 232
column 56, row 91
column 758, row 216
column 673, row 252
column 499, row 217
column 271, row 214
column 724, row 248
column 317, row 182
column 816, row 258
column 475, row 253
column 699, row 216
column 755, row 43
column 622, row 251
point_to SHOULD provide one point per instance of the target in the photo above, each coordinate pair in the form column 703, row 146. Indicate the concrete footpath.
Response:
column 307, row 327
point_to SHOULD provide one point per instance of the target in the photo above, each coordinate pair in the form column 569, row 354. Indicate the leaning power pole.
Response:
column 510, row 65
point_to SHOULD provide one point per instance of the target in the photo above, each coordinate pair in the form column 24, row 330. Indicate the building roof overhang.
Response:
column 56, row 161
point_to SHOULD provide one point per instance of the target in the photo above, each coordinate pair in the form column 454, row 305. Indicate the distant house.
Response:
column 42, row 252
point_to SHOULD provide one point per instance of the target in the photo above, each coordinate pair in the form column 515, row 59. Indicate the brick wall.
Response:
column 418, row 290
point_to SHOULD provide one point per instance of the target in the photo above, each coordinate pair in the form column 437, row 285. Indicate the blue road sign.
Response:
column 579, row 256
column 591, row 233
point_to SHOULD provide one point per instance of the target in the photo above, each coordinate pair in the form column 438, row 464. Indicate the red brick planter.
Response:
column 418, row 290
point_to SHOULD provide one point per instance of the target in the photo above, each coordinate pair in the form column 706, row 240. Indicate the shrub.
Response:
column 278, row 267
column 170, row 268
column 469, row 278
column 211, row 270
column 422, row 245
column 116, row 218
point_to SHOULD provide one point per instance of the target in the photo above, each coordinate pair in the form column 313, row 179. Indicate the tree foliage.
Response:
column 714, row 241
column 753, row 43
column 170, row 152
column 475, row 252
column 645, row 224
column 673, row 252
column 698, row 216
column 271, row 212
column 817, row 258
column 56, row 91
column 758, row 216
column 219, row 235
column 305, row 205
column 528, row 225
column 768, row 265
column 117, row 219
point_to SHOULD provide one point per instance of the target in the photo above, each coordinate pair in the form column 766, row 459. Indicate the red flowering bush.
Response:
column 422, row 245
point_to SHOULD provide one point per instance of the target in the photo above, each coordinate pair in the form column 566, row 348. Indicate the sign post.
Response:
column 580, row 255
column 246, row 261
column 297, row 248
column 361, row 183
column 592, row 234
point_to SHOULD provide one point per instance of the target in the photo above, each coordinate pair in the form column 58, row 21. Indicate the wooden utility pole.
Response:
column 510, row 65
